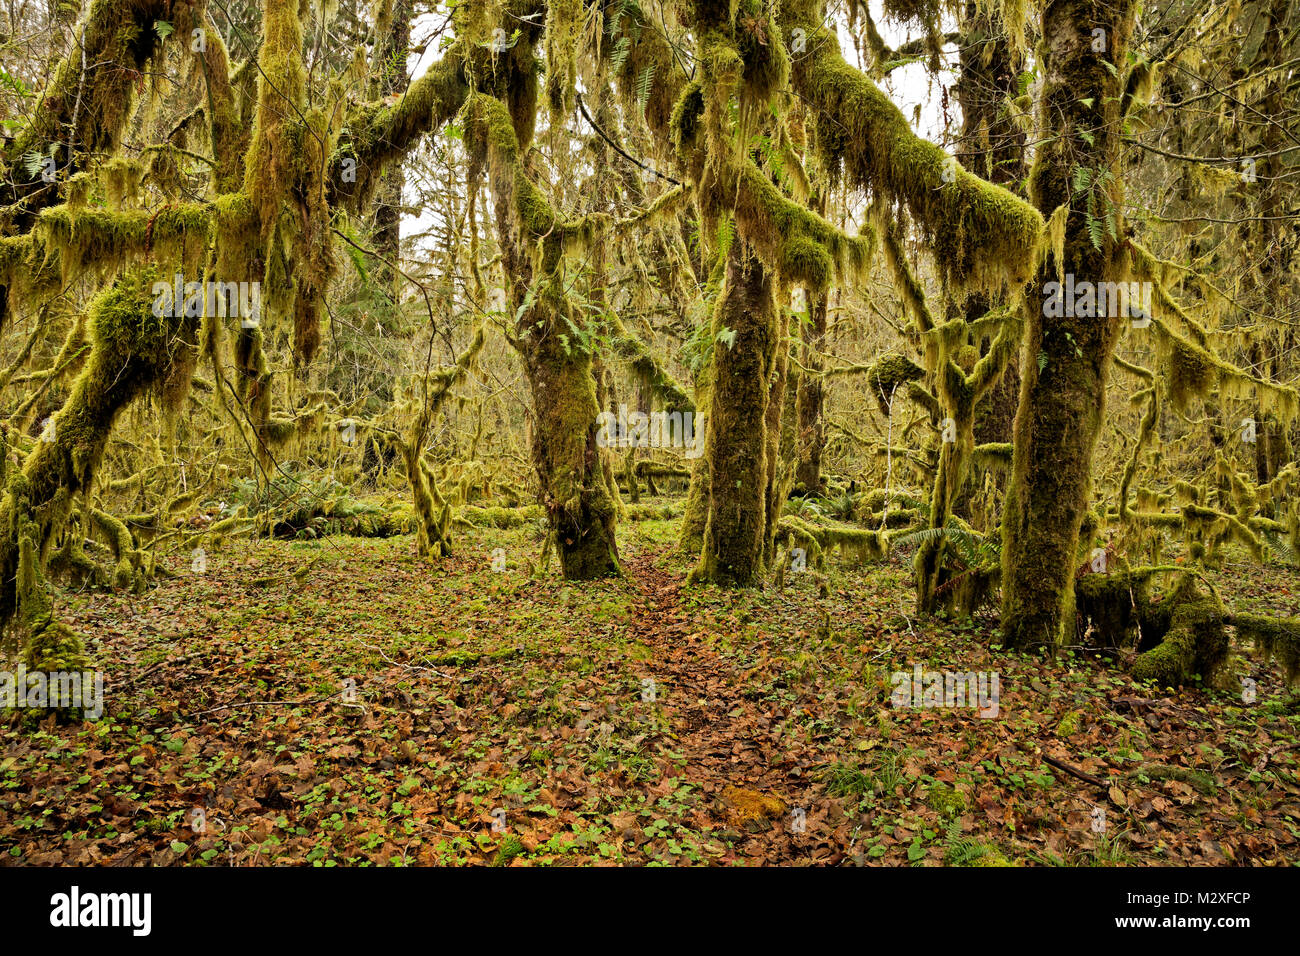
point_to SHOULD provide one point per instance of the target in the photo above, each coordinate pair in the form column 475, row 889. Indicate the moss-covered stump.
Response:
column 1112, row 605
column 1276, row 637
column 1196, row 642
column 856, row 545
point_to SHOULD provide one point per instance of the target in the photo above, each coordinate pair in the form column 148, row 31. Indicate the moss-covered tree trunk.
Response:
column 1272, row 239
column 1066, row 359
column 391, row 79
column 782, row 457
column 696, row 514
column 575, row 485
column 132, row 349
column 83, row 112
column 573, row 481
column 812, row 430
column 738, row 452
column 992, row 145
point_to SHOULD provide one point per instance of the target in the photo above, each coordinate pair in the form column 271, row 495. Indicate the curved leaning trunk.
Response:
column 133, row 349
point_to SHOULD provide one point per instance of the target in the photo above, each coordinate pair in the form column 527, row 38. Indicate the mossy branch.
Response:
column 983, row 236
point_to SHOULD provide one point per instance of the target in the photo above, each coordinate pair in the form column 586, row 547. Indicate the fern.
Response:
column 619, row 56
column 803, row 508
column 1082, row 179
column 33, row 162
column 960, row 850
column 643, row 86
column 725, row 236
column 1282, row 547
column 616, row 15
column 841, row 506
column 972, row 549
column 924, row 536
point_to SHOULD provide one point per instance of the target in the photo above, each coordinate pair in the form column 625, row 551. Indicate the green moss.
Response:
column 736, row 531
column 888, row 373
column 1068, row 725
column 132, row 349
column 575, row 486
column 498, row 517
column 120, row 540
column 1112, row 604
column 945, row 800
column 993, row 455
column 1204, row 783
column 99, row 101
column 982, row 235
column 1276, row 637
column 1195, row 645
column 564, row 28
column 510, row 848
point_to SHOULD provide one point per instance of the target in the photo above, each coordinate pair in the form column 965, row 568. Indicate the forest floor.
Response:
column 502, row 718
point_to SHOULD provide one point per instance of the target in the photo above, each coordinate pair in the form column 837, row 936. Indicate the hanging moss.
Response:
column 96, row 237
column 1193, row 369
column 564, row 23
column 796, row 532
column 281, row 90
column 993, row 455
column 120, row 177
column 798, row 244
column 236, row 232
column 982, row 235
column 100, row 101
column 648, row 368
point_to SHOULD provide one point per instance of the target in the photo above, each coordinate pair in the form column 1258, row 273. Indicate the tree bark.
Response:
column 1066, row 360
column 737, row 447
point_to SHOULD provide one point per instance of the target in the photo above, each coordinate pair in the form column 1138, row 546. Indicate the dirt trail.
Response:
column 727, row 738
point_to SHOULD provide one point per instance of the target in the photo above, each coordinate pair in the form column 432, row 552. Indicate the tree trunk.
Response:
column 574, row 482
column 737, row 444
column 812, row 430
column 1066, row 360
column 134, row 349
column 393, row 78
